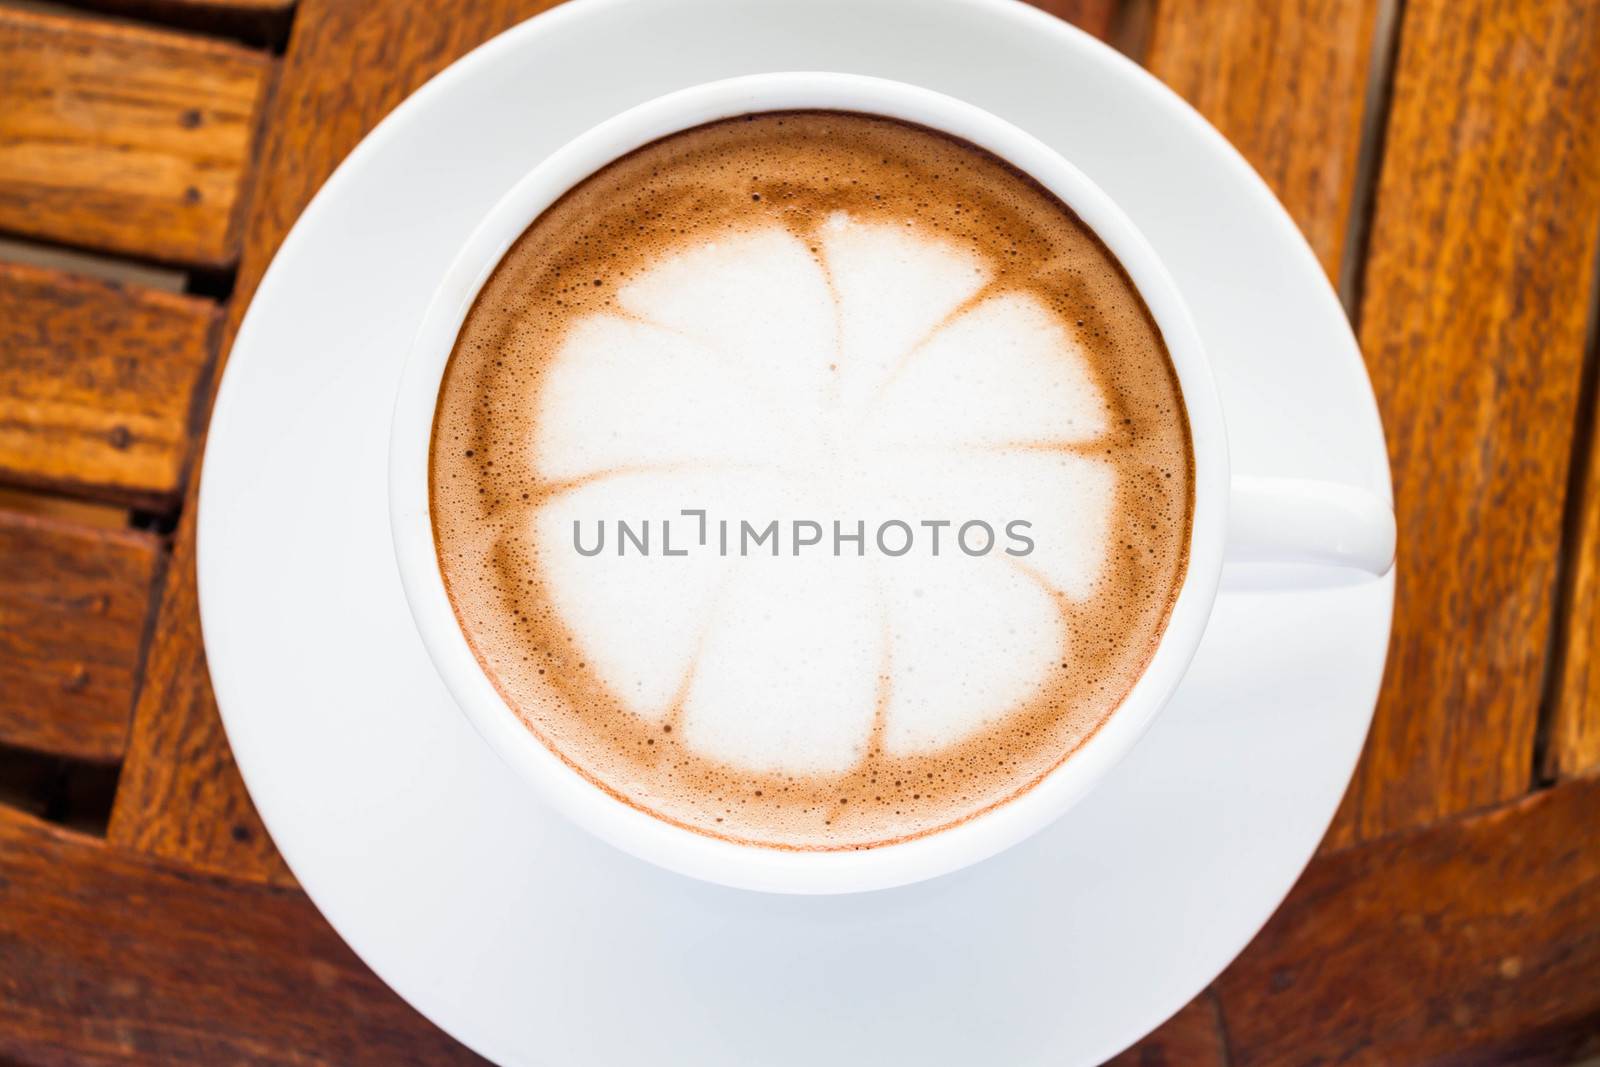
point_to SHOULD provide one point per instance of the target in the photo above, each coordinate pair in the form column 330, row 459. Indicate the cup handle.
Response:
column 1299, row 520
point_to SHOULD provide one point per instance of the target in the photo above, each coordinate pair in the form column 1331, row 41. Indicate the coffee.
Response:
column 811, row 480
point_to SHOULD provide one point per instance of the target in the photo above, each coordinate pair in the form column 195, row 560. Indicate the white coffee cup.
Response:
column 1256, row 519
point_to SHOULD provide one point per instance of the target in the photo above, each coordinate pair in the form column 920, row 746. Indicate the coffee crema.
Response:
column 833, row 322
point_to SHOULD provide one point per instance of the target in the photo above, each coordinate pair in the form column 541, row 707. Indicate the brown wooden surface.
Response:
column 1481, row 934
column 98, row 382
column 111, row 958
column 1573, row 745
column 1286, row 81
column 123, row 138
column 73, row 605
column 1476, row 302
column 1429, row 935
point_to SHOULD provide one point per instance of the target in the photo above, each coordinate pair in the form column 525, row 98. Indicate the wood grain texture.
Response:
column 73, row 605
column 1572, row 745
column 1286, row 81
column 123, row 138
column 1474, row 941
column 1191, row 1038
column 98, row 383
column 107, row 957
column 1472, row 321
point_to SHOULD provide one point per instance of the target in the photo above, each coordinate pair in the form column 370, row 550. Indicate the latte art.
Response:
column 812, row 480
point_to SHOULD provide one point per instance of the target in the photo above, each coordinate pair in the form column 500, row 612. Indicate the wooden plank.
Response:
column 107, row 957
column 1476, row 940
column 124, row 138
column 1475, row 299
column 1573, row 743
column 1286, row 81
column 73, row 606
column 98, row 382
column 1191, row 1038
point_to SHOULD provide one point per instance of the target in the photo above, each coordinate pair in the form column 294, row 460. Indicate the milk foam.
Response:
column 811, row 317
column 757, row 364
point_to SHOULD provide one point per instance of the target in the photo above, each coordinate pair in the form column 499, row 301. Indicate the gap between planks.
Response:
column 1567, row 738
column 1369, row 157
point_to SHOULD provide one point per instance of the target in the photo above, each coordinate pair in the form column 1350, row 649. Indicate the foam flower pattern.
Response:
column 877, row 372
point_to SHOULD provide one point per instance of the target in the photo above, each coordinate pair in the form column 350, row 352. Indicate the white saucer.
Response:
column 534, row 944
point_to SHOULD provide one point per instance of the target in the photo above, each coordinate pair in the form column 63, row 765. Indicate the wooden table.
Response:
column 1443, row 157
